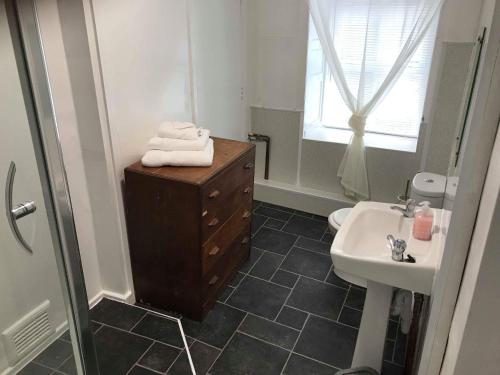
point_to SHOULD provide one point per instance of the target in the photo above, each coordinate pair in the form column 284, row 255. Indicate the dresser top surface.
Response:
column 225, row 152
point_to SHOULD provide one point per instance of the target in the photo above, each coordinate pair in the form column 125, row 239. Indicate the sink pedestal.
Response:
column 372, row 331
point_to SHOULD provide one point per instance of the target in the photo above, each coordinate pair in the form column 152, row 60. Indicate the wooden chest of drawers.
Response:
column 189, row 228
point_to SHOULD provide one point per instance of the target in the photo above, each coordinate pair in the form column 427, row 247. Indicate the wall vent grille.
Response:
column 27, row 333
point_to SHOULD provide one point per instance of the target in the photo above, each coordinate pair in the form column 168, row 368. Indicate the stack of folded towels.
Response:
column 179, row 144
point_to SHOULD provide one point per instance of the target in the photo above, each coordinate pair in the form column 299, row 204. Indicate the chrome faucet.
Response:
column 409, row 210
column 398, row 248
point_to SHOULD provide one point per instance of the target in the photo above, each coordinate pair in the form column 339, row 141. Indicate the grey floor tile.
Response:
column 356, row 298
column 298, row 365
column 94, row 326
column 292, row 317
column 203, row 356
column 275, row 224
column 318, row 298
column 137, row 370
column 160, row 329
column 259, row 297
column 257, row 222
column 252, row 259
column 400, row 349
column 266, row 265
column 117, row 350
column 313, row 245
column 256, row 203
column 271, row 332
column 225, row 294
column 335, row 280
column 217, row 327
column 236, row 280
column 116, row 314
column 392, row 369
column 307, row 263
column 285, row 278
column 328, row 342
column 392, row 330
column 303, row 213
column 34, row 369
column 247, row 356
column 273, row 213
column 276, row 207
column 306, row 227
column 159, row 357
column 55, row 354
column 68, row 367
column 274, row 240
column 350, row 316
column 388, row 350
column 328, row 238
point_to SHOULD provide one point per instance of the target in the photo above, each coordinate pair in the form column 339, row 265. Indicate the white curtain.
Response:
column 355, row 36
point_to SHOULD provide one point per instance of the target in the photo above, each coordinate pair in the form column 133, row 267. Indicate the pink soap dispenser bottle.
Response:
column 422, row 225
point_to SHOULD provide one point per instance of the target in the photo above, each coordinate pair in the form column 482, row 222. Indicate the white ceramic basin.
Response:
column 360, row 247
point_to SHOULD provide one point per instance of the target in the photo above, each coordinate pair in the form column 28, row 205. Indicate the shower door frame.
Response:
column 30, row 60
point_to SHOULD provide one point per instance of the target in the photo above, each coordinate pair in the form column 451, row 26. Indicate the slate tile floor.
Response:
column 285, row 312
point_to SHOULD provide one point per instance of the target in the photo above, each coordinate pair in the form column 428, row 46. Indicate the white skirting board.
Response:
column 127, row 297
column 300, row 198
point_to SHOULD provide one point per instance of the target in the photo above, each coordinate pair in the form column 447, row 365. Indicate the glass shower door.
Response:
column 43, row 307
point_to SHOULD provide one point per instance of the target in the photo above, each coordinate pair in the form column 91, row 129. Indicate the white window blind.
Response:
column 400, row 112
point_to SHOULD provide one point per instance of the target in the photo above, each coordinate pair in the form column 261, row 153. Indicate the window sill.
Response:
column 372, row 140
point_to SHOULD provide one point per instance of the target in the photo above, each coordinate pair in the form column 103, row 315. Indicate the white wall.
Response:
column 143, row 52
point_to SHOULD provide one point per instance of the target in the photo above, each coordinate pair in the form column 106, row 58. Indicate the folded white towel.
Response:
column 158, row 158
column 171, row 144
column 179, row 130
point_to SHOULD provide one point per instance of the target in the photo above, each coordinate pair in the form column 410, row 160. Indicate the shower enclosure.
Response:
column 42, row 290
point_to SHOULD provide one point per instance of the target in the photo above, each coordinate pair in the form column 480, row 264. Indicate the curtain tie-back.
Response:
column 357, row 124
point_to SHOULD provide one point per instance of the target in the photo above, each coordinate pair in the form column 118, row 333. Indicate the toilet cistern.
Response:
column 409, row 210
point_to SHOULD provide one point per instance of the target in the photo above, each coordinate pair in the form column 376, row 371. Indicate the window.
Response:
column 399, row 113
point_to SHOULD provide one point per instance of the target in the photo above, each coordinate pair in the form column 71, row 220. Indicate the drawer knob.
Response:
column 246, row 215
column 213, row 222
column 214, row 194
column 245, row 240
column 247, row 190
column 248, row 166
column 214, row 250
column 204, row 213
column 213, row 280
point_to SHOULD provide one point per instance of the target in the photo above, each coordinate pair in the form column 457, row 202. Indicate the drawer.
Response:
column 225, row 268
column 218, row 244
column 224, row 193
column 221, row 210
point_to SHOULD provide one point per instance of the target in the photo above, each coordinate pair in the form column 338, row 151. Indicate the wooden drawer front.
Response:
column 218, row 212
column 218, row 244
column 226, row 267
column 223, row 194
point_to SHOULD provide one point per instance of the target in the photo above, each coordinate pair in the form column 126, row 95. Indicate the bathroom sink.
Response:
column 361, row 249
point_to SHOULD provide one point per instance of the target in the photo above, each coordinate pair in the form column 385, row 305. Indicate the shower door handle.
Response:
column 15, row 213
